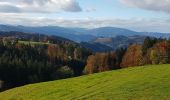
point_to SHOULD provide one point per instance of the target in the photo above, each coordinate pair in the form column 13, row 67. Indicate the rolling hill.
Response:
column 80, row 34
column 111, row 32
column 103, row 44
column 68, row 33
column 144, row 83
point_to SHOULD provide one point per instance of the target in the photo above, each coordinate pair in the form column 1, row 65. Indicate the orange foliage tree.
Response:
column 160, row 53
column 133, row 56
column 100, row 62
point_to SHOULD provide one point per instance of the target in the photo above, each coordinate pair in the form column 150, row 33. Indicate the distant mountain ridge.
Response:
column 112, row 32
column 81, row 34
column 111, row 44
column 68, row 33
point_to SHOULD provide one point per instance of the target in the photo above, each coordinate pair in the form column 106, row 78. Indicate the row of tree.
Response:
column 152, row 51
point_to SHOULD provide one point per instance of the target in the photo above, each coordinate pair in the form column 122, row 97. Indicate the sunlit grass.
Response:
column 139, row 83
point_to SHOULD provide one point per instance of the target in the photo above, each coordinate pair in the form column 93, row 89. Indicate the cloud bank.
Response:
column 39, row 6
column 142, row 24
column 153, row 5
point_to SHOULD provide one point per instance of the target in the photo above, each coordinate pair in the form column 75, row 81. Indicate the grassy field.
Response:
column 33, row 43
column 140, row 83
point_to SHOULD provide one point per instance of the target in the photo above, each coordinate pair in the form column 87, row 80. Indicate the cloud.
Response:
column 153, row 5
column 137, row 24
column 39, row 6
column 8, row 8
column 90, row 9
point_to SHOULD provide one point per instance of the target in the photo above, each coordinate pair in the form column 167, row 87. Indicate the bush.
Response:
column 63, row 72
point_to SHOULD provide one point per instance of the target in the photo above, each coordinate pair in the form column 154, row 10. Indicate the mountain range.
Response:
column 81, row 34
column 98, row 39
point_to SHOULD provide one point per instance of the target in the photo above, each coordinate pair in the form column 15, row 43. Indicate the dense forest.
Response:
column 25, row 62
column 31, row 58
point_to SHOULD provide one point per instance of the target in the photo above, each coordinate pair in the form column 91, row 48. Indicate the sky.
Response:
column 138, row 15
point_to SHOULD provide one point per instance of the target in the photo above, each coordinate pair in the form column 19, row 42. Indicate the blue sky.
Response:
column 139, row 15
column 108, row 9
column 112, row 9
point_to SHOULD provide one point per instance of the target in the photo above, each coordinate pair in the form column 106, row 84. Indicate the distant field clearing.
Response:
column 34, row 43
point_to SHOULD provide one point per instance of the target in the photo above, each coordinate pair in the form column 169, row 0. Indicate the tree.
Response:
column 154, row 57
column 133, row 56
column 119, row 55
column 77, row 66
column 91, row 65
column 100, row 62
column 147, row 44
column 162, row 51
column 1, row 84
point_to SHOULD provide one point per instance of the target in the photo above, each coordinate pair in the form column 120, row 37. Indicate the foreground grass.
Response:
column 140, row 83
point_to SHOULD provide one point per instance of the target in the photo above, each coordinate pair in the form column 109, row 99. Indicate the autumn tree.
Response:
column 100, row 62
column 161, row 53
column 133, row 56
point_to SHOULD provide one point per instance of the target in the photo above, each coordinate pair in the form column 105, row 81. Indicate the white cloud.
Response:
column 142, row 24
column 42, row 6
column 153, row 5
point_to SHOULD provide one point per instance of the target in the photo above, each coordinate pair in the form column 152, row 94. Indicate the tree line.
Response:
column 152, row 51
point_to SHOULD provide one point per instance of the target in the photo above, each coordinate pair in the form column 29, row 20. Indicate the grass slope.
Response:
column 140, row 83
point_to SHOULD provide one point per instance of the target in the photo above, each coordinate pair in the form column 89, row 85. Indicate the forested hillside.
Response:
column 24, row 63
column 105, row 44
column 152, row 51
column 30, row 58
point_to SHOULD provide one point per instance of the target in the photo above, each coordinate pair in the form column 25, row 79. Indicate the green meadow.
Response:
column 150, row 82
